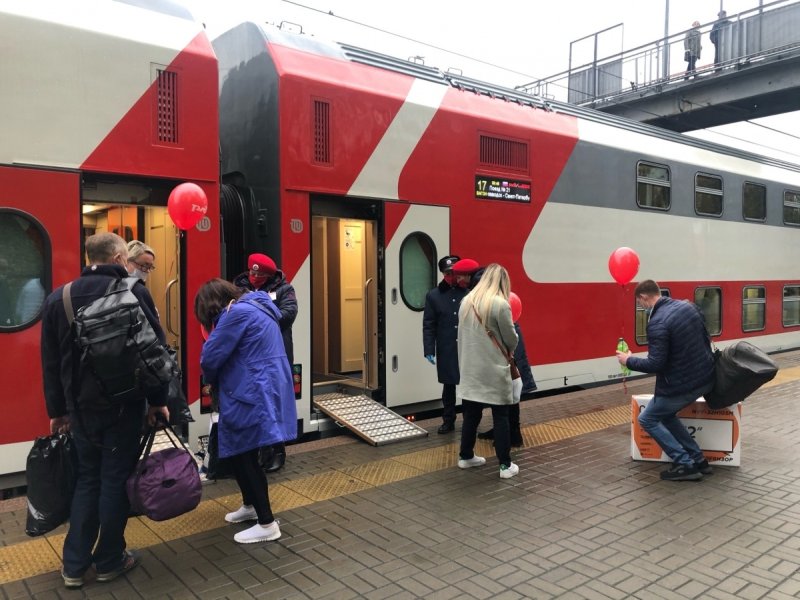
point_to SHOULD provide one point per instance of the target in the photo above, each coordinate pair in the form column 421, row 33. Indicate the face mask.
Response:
column 257, row 280
column 449, row 279
column 140, row 274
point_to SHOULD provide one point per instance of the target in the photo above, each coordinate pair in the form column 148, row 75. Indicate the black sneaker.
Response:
column 130, row 560
column 682, row 473
column 704, row 468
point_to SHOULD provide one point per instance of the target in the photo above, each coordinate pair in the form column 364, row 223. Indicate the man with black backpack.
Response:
column 101, row 401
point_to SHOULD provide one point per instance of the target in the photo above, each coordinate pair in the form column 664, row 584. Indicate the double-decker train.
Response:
column 356, row 172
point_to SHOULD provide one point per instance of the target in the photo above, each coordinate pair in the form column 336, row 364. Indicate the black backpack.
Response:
column 120, row 355
column 740, row 370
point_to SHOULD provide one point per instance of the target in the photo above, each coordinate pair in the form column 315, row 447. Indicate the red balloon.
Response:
column 187, row 204
column 623, row 264
column 516, row 306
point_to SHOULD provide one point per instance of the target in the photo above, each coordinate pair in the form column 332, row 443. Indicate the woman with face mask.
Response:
column 141, row 259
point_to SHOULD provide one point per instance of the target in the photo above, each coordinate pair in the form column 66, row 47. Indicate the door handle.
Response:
column 168, row 297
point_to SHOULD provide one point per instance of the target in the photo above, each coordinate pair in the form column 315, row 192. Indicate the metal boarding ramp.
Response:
column 369, row 420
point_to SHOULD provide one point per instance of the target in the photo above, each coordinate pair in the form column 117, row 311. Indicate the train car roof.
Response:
column 383, row 61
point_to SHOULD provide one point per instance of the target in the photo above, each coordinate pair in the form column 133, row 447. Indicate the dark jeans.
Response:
column 472, row 413
column 107, row 444
column 690, row 69
column 253, row 484
column 660, row 420
column 448, row 403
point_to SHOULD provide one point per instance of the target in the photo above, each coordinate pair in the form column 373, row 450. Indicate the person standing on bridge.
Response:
column 679, row 352
column 716, row 35
column 692, row 48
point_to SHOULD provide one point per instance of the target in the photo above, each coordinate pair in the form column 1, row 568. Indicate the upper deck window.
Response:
column 754, row 202
column 652, row 186
column 708, row 195
column 791, row 207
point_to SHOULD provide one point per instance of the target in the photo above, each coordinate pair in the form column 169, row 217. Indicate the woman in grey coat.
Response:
column 486, row 336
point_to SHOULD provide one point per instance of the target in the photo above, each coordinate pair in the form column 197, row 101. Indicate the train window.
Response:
column 754, row 202
column 791, row 207
column 791, row 305
column 24, row 269
column 708, row 195
column 641, row 321
column 417, row 269
column 652, row 186
column 754, row 303
column 709, row 299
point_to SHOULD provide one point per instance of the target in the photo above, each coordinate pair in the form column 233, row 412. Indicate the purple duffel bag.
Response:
column 165, row 484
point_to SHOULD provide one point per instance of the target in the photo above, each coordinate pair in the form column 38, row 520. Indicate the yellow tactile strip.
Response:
column 43, row 555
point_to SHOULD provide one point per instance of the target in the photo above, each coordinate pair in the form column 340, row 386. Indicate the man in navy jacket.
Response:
column 439, row 333
column 107, row 441
column 679, row 352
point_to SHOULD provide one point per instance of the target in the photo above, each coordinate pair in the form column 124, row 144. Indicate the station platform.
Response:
column 401, row 521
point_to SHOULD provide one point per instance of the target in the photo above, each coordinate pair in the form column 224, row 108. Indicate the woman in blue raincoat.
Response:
column 245, row 362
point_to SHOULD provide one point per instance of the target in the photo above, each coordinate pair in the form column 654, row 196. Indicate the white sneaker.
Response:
column 244, row 513
column 475, row 461
column 507, row 472
column 259, row 533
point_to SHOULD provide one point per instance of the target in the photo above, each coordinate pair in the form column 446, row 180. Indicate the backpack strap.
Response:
column 67, row 298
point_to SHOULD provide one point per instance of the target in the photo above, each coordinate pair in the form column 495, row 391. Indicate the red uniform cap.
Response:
column 466, row 265
column 262, row 263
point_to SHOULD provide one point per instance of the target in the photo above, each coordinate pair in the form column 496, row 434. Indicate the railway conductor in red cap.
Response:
column 439, row 333
column 263, row 275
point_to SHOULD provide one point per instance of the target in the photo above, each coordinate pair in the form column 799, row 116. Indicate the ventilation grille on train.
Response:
column 322, row 130
column 503, row 153
column 167, row 107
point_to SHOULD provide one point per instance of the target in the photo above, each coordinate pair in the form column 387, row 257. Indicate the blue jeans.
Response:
column 107, row 443
column 659, row 420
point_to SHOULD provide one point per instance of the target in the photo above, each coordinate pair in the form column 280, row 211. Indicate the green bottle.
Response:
column 623, row 347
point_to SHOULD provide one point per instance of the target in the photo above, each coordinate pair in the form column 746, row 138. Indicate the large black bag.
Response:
column 740, row 370
column 51, row 471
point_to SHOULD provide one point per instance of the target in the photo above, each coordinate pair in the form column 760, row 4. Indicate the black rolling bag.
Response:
column 740, row 370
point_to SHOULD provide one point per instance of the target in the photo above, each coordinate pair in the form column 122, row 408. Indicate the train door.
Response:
column 138, row 212
column 344, row 284
column 421, row 237
column 39, row 250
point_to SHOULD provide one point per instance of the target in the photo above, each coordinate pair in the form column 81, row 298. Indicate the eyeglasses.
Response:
column 144, row 268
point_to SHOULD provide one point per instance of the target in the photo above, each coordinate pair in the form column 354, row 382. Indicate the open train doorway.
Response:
column 345, row 291
column 137, row 211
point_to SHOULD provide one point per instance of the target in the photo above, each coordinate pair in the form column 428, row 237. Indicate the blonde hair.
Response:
column 137, row 248
column 493, row 283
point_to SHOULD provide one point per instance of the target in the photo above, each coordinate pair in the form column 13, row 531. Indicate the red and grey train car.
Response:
column 357, row 171
column 106, row 107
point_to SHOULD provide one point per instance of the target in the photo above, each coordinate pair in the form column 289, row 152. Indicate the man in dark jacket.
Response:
column 679, row 352
column 439, row 333
column 716, row 35
column 106, row 440
column 263, row 275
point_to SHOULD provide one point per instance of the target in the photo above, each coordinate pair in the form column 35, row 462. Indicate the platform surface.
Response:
column 401, row 521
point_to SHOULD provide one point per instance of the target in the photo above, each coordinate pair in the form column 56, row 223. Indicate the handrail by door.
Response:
column 168, row 297
column 367, row 335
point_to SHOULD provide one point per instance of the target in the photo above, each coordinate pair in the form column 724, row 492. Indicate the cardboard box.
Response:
column 718, row 432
